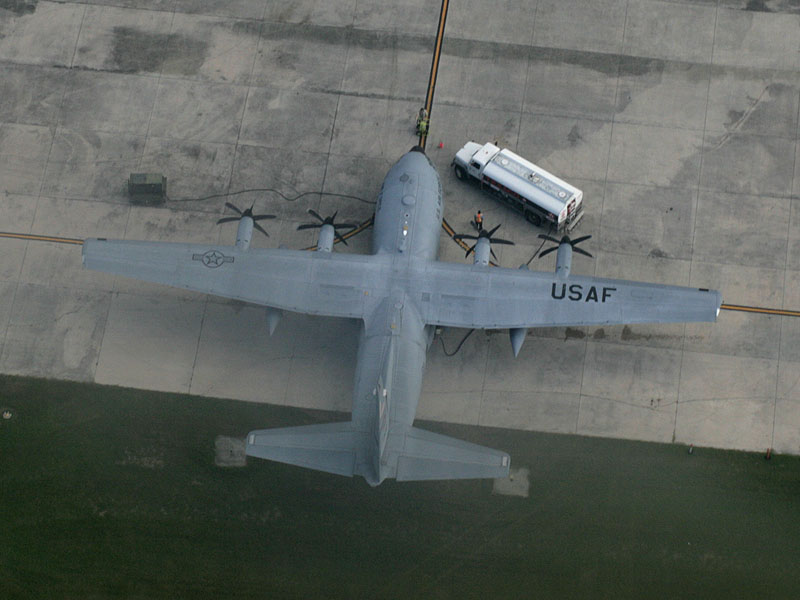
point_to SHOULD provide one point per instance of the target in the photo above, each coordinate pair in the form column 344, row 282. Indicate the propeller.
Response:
column 565, row 240
column 483, row 234
column 331, row 220
column 246, row 213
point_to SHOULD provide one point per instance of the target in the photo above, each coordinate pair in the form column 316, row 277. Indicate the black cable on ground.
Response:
column 539, row 249
column 461, row 343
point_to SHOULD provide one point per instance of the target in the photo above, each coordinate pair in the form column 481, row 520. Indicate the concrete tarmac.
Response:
column 679, row 120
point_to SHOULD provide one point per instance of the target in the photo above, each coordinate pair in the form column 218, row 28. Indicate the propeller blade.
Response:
column 493, row 254
column 227, row 220
column 491, row 233
column 470, row 251
column 262, row 217
column 331, row 220
column 565, row 240
column 548, row 251
column 499, row 241
column 260, row 228
column 234, row 208
column 314, row 213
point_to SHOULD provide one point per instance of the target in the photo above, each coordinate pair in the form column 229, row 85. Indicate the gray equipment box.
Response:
column 147, row 188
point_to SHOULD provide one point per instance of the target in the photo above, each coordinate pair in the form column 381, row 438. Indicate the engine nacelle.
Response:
column 564, row 259
column 244, row 233
column 483, row 245
column 483, row 248
column 326, row 236
column 565, row 249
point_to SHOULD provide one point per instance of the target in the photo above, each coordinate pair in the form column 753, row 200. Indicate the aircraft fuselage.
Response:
column 394, row 338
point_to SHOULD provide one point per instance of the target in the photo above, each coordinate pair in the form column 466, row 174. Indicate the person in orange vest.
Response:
column 479, row 221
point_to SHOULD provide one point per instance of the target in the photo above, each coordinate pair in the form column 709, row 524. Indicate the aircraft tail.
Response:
column 427, row 455
column 329, row 447
column 412, row 454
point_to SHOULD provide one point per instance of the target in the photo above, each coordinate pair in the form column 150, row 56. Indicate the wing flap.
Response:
column 428, row 455
column 329, row 447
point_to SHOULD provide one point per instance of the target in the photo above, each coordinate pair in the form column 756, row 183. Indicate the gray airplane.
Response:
column 400, row 294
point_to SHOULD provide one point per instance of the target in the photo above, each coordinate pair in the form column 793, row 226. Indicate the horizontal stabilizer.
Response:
column 329, row 447
column 429, row 455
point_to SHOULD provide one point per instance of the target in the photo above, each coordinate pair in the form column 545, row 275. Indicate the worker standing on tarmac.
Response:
column 422, row 122
column 479, row 221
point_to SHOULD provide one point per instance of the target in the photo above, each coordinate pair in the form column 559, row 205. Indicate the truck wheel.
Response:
column 533, row 218
column 460, row 173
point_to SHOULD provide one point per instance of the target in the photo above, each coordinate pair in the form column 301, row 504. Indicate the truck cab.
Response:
column 475, row 157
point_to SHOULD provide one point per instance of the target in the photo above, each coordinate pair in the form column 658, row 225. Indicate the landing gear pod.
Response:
column 517, row 336
column 273, row 318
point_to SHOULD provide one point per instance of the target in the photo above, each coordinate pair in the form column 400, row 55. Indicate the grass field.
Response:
column 113, row 493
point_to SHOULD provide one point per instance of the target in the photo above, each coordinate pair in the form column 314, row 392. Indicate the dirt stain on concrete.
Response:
column 17, row 7
column 137, row 51
column 573, row 334
column 574, row 136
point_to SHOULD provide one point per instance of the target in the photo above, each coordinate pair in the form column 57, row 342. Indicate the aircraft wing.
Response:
column 457, row 295
column 318, row 283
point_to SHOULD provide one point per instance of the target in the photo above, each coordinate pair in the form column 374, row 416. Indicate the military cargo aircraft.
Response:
column 400, row 294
